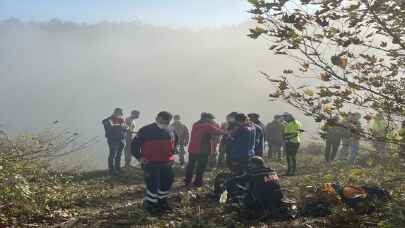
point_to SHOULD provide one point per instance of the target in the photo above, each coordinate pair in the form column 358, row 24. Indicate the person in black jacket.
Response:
column 225, row 142
column 115, row 129
column 261, row 187
column 154, row 147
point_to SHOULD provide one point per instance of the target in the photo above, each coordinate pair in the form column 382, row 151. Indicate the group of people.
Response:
column 119, row 133
column 241, row 138
column 346, row 134
column 237, row 144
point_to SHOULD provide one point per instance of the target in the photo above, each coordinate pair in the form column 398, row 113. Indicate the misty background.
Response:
column 78, row 73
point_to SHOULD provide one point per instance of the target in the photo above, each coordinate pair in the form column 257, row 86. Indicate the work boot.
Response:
column 151, row 208
column 164, row 205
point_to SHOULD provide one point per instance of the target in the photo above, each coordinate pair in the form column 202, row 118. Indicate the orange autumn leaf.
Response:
column 325, row 77
column 343, row 60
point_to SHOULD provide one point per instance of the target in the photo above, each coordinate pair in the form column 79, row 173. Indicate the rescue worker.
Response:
column 274, row 137
column 332, row 133
column 355, row 128
column 130, row 122
column 115, row 129
column 292, row 137
column 200, row 148
column 346, row 137
column 153, row 146
column 183, row 136
column 263, row 191
column 242, row 145
column 224, row 145
column 379, row 130
column 259, row 133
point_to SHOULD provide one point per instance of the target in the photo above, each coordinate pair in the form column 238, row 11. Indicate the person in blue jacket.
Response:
column 259, row 131
column 243, row 144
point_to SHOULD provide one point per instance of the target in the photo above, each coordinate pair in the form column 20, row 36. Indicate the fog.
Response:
column 78, row 74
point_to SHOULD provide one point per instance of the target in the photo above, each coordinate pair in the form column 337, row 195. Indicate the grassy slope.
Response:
column 103, row 202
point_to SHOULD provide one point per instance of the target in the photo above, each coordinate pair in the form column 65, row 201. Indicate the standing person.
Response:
column 401, row 140
column 379, row 129
column 259, row 133
column 346, row 137
column 212, row 159
column 292, row 137
column 130, row 122
column 243, row 145
column 332, row 133
column 115, row 129
column 183, row 135
column 153, row 146
column 356, row 130
column 224, row 147
column 275, row 137
column 200, row 147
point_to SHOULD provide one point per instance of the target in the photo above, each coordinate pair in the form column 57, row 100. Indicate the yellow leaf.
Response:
column 327, row 109
column 308, row 92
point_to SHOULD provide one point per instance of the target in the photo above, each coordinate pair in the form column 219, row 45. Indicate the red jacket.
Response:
column 154, row 144
column 200, row 131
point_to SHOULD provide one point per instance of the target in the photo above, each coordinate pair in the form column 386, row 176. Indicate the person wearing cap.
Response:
column 274, row 137
column 225, row 145
column 242, row 144
column 183, row 136
column 292, row 138
column 263, row 192
column 130, row 122
column 115, row 129
column 154, row 147
column 259, row 133
column 200, row 148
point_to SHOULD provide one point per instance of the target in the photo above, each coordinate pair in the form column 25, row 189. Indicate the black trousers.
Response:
column 114, row 158
column 199, row 162
column 159, row 178
column 331, row 150
column 291, row 153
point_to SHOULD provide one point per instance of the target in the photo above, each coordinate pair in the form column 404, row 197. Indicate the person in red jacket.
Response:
column 153, row 146
column 200, row 146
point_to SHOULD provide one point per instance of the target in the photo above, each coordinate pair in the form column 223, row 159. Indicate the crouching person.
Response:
column 153, row 147
column 261, row 187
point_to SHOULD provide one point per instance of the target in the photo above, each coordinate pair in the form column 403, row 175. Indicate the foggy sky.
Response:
column 78, row 74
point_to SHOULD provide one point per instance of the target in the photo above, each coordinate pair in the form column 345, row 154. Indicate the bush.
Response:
column 29, row 190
